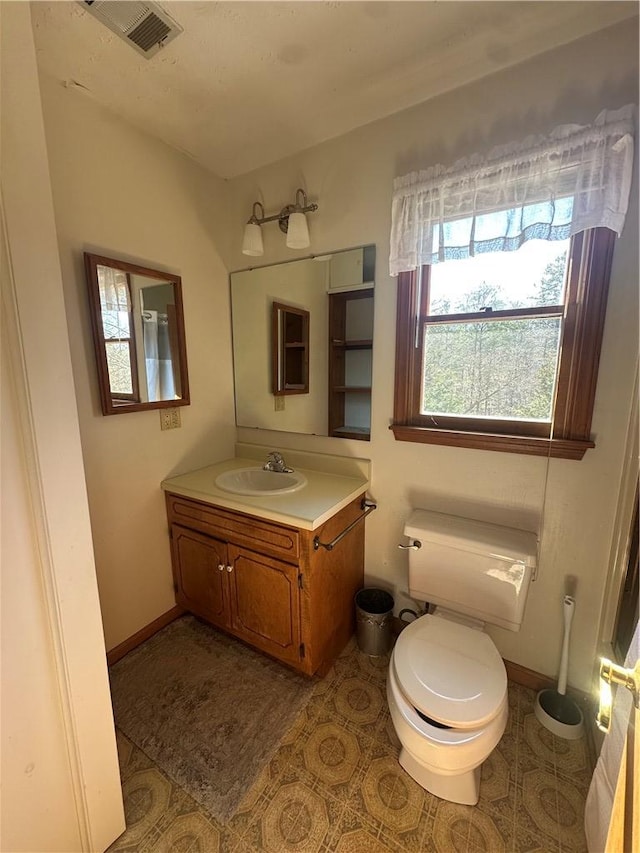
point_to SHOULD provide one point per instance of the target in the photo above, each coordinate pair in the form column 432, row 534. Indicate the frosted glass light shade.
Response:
column 298, row 232
column 252, row 240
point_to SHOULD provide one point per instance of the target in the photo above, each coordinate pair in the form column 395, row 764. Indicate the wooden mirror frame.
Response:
column 111, row 406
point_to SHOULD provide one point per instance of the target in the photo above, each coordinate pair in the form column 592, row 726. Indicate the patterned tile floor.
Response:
column 334, row 784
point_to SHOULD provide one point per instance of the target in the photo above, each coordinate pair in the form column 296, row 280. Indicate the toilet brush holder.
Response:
column 560, row 714
column 556, row 711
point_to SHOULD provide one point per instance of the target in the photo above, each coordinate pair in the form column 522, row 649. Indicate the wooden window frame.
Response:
column 134, row 397
column 587, row 285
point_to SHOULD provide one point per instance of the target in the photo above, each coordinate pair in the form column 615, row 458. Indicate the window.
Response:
column 503, row 262
column 505, row 366
column 117, row 332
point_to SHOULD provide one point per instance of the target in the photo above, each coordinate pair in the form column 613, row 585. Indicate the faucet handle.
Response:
column 275, row 462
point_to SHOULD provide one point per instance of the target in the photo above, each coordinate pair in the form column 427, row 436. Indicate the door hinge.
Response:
column 175, row 588
column 301, row 650
column 171, row 533
column 300, row 582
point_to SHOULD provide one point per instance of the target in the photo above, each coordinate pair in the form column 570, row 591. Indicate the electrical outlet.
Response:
column 278, row 403
column 169, row 418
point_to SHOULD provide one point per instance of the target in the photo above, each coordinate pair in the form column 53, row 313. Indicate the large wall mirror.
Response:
column 334, row 295
column 138, row 332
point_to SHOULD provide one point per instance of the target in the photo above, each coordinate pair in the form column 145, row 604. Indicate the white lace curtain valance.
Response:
column 114, row 302
column 547, row 188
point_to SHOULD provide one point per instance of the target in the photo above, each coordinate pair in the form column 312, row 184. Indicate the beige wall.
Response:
column 574, row 502
column 120, row 193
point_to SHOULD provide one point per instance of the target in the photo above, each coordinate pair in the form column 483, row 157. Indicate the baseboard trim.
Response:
column 527, row 677
column 537, row 681
column 143, row 634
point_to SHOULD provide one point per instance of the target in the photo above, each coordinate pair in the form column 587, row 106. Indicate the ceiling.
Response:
column 249, row 83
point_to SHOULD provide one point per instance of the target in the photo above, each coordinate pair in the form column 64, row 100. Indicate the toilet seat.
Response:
column 450, row 672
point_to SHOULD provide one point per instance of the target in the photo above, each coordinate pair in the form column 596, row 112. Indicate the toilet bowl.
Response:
column 447, row 685
column 447, row 694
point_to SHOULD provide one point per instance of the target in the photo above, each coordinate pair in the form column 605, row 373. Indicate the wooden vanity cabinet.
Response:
column 199, row 573
column 264, row 603
column 264, row 583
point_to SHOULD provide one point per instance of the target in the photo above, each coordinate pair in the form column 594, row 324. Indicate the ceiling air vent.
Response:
column 145, row 26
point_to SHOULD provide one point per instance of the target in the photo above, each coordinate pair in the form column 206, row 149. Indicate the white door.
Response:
column 60, row 780
column 624, row 827
column 612, row 809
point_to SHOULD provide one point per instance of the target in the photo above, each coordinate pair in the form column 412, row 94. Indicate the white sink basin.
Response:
column 258, row 482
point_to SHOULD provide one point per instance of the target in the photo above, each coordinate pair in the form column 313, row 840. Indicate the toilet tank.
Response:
column 472, row 567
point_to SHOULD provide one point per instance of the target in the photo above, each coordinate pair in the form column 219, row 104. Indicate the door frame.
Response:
column 40, row 361
column 621, row 537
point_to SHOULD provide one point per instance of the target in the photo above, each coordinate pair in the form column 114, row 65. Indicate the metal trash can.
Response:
column 374, row 610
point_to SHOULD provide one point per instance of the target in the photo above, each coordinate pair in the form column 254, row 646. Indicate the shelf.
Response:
column 350, row 288
column 351, row 432
column 344, row 389
column 364, row 344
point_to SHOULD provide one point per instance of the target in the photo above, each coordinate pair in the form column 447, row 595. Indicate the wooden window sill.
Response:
column 557, row 448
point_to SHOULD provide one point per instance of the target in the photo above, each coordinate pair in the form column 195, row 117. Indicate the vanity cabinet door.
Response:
column 265, row 604
column 200, row 573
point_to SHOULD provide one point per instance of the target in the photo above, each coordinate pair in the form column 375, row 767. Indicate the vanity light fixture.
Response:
column 291, row 219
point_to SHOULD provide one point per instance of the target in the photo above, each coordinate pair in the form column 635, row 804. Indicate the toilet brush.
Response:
column 554, row 709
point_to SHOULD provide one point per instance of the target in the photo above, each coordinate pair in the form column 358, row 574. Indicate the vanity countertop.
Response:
column 324, row 494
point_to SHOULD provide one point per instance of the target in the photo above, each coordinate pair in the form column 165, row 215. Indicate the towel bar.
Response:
column 367, row 506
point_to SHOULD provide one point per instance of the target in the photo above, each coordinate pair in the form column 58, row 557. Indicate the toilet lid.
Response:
column 450, row 672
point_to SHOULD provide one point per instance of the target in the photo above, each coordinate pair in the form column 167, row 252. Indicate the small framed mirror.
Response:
column 289, row 349
column 138, row 333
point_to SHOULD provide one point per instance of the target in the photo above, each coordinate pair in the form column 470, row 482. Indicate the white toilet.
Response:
column 447, row 685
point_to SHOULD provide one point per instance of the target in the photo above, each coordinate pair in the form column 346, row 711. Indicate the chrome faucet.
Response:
column 276, row 463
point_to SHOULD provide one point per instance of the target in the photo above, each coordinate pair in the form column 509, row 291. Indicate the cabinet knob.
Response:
column 229, row 568
column 221, row 567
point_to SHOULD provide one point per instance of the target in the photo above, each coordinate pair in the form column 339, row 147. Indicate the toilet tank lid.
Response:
column 479, row 537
